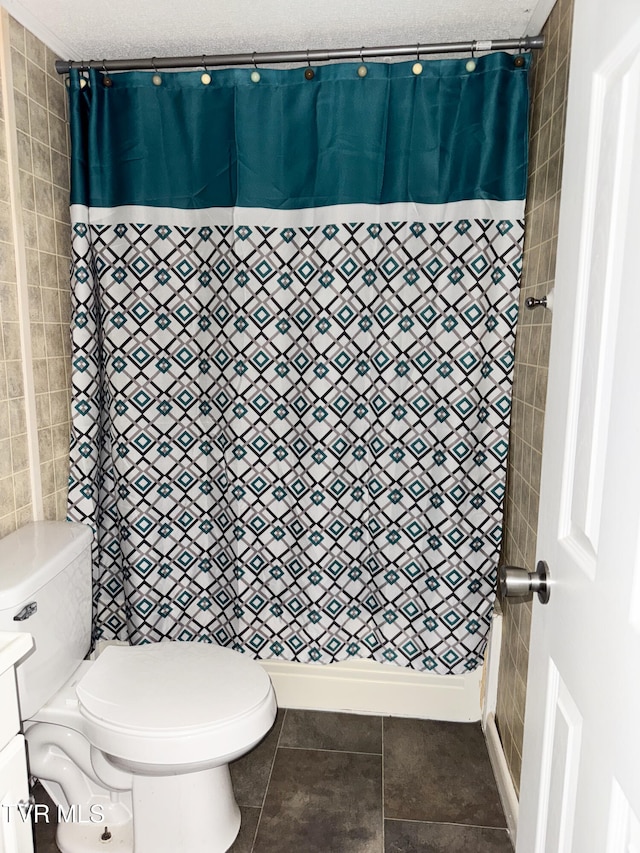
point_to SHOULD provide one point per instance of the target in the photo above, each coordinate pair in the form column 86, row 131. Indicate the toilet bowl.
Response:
column 134, row 746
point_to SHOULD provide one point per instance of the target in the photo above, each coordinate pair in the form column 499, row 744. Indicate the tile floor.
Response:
column 344, row 783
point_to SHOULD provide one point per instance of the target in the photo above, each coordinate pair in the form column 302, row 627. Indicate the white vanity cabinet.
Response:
column 15, row 824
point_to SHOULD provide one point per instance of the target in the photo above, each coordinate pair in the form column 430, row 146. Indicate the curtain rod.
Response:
column 156, row 62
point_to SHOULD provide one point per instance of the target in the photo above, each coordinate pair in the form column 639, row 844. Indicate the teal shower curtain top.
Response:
column 294, row 307
column 442, row 136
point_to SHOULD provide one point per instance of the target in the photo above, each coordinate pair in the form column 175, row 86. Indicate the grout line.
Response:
column 255, row 832
column 273, row 761
column 449, row 823
column 339, row 751
column 382, row 782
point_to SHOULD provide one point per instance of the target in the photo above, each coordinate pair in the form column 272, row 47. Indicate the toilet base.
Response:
column 189, row 813
column 87, row 838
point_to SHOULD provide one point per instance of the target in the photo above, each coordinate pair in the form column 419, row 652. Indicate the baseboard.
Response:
column 491, row 670
column 506, row 788
column 367, row 687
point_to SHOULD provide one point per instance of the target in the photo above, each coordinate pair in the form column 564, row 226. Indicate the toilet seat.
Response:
column 174, row 703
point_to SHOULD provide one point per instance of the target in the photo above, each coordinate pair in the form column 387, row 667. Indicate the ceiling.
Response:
column 115, row 29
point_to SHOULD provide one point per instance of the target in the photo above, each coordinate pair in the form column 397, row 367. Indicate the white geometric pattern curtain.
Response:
column 290, row 425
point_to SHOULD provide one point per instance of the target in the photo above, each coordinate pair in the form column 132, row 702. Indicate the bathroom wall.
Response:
column 34, row 311
column 549, row 79
column 34, row 282
column 15, row 487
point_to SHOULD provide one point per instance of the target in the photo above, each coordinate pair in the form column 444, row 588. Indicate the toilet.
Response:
column 134, row 746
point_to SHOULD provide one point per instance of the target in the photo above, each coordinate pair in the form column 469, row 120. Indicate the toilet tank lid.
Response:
column 34, row 554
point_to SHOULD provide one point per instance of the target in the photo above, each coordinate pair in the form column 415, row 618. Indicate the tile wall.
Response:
column 548, row 85
column 34, row 271
column 15, row 485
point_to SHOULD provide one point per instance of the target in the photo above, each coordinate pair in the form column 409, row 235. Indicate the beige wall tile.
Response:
column 6, row 469
column 50, row 504
column 57, row 368
column 56, row 95
column 30, row 230
column 35, row 50
column 46, row 229
column 11, row 341
column 27, row 192
column 3, row 154
column 16, row 35
column 4, row 413
column 60, row 407
column 7, row 496
column 22, row 112
column 19, row 70
column 43, row 194
column 17, row 417
column 36, row 83
column 41, row 134
column 45, row 445
column 25, row 160
column 22, row 489
column 6, row 234
column 41, row 154
column 19, row 453
column 43, row 410
column 15, row 379
column 63, row 239
column 47, row 474
column 49, row 279
column 7, row 263
column 8, row 302
column 39, row 122
column 61, row 472
column 59, row 134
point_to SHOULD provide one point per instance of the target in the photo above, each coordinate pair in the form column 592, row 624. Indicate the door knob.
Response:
column 515, row 581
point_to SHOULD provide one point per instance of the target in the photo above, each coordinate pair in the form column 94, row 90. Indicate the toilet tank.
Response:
column 45, row 570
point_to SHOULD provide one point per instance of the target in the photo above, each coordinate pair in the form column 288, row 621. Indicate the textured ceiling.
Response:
column 88, row 29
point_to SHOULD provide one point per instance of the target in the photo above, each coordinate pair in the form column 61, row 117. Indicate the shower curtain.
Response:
column 294, row 304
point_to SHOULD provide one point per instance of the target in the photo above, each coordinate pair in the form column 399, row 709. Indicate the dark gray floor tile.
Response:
column 322, row 802
column 329, row 730
column 44, row 834
column 414, row 837
column 45, row 839
column 45, row 843
column 437, row 771
column 244, row 841
column 250, row 774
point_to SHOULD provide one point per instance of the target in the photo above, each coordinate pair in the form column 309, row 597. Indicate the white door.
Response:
column 580, row 786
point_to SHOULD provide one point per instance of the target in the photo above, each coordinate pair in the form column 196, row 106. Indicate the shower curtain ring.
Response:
column 106, row 80
column 83, row 79
column 518, row 60
column 255, row 74
column 471, row 64
column 205, row 77
column 417, row 66
column 362, row 69
column 156, row 79
column 309, row 73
